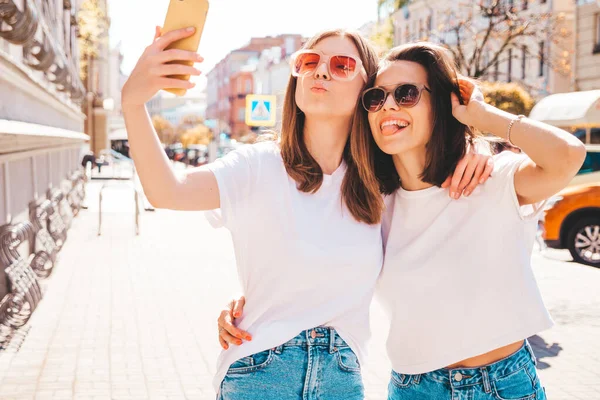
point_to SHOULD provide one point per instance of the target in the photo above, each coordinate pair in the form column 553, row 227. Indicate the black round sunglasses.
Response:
column 405, row 95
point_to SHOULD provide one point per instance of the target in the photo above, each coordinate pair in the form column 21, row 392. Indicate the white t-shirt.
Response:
column 303, row 260
column 457, row 279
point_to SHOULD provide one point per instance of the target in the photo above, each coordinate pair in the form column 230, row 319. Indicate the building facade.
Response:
column 272, row 76
column 587, row 50
column 221, row 93
column 41, row 122
column 241, row 84
column 542, row 63
column 100, row 108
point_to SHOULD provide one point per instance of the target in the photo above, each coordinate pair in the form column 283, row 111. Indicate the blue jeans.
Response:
column 315, row 365
column 512, row 378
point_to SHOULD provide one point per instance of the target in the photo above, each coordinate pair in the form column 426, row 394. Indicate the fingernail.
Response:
column 481, row 180
column 236, row 314
column 248, row 337
column 467, row 193
column 238, row 342
column 456, row 196
column 452, row 194
column 190, row 29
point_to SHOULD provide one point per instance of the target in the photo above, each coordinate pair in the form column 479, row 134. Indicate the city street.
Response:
column 134, row 317
column 103, row 297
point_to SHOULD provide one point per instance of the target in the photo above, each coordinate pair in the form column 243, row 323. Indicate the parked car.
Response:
column 197, row 154
column 175, row 152
column 572, row 221
column 590, row 170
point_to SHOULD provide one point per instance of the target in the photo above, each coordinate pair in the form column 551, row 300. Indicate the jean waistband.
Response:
column 458, row 377
column 320, row 336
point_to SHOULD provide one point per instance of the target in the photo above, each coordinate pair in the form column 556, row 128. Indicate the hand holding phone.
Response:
column 156, row 68
column 184, row 14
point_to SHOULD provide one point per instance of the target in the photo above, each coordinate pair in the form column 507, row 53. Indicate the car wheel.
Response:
column 584, row 241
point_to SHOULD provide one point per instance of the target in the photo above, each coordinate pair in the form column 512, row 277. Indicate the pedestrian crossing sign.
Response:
column 260, row 110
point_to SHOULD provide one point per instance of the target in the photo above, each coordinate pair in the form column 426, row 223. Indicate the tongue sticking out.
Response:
column 390, row 129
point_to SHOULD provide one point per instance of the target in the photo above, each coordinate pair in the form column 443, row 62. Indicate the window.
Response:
column 524, row 62
column 241, row 114
column 541, row 56
column 597, row 38
column 590, row 164
column 509, row 69
column 581, row 134
column 496, row 71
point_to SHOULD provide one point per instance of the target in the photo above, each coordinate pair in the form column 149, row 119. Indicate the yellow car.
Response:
column 572, row 221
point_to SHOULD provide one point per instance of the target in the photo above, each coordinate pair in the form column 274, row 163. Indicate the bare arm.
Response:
column 555, row 155
column 197, row 188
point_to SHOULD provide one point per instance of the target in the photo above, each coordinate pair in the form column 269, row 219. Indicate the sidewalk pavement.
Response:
column 134, row 317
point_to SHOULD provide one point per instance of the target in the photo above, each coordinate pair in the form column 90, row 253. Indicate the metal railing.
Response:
column 136, row 196
column 131, row 184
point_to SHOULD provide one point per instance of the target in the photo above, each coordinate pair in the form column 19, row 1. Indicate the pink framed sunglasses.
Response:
column 342, row 67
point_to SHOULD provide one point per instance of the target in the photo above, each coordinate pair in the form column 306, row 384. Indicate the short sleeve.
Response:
column 506, row 164
column 236, row 177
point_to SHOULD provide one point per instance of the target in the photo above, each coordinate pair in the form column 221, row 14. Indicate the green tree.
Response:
column 188, row 122
column 387, row 7
column 164, row 129
column 383, row 35
column 480, row 34
column 191, row 130
column 200, row 134
column 510, row 97
column 93, row 27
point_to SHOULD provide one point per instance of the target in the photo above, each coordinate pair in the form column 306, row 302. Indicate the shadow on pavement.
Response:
column 543, row 350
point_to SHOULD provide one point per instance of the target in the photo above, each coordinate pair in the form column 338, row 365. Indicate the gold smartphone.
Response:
column 182, row 14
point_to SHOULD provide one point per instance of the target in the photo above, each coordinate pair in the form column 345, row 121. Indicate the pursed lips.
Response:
column 318, row 87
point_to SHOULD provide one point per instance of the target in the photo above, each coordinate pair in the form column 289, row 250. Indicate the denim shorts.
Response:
column 316, row 364
column 512, row 378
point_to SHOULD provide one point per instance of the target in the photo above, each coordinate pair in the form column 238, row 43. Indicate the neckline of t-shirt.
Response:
column 430, row 191
column 339, row 171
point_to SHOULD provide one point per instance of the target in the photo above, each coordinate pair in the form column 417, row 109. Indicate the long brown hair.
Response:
column 360, row 189
column 449, row 138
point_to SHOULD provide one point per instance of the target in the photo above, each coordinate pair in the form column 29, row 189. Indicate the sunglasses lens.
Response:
column 306, row 63
column 373, row 99
column 343, row 67
column 407, row 95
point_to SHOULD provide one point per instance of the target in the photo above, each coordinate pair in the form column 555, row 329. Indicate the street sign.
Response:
column 260, row 110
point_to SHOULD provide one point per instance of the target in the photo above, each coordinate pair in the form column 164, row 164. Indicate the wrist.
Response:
column 128, row 107
column 481, row 116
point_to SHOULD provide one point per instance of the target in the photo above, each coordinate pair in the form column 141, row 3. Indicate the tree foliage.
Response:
column 93, row 25
column 480, row 33
column 510, row 97
column 164, row 129
column 200, row 134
